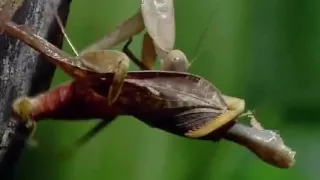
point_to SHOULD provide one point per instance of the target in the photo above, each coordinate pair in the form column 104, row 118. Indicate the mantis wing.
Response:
column 158, row 16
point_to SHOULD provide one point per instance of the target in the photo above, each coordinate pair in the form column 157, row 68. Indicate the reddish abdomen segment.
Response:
column 71, row 101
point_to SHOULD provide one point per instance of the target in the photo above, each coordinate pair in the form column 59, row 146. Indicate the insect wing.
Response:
column 158, row 16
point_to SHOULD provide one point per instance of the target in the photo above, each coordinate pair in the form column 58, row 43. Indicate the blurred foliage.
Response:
column 266, row 52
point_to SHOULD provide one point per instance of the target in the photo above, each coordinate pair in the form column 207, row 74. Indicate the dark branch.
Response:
column 24, row 72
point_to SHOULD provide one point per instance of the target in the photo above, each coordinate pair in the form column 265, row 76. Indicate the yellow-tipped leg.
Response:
column 235, row 108
column 116, row 87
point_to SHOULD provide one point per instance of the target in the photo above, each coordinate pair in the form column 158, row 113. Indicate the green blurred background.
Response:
column 266, row 52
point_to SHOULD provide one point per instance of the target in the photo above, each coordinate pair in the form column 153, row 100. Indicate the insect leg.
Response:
column 148, row 51
column 108, row 61
column 133, row 58
column 128, row 28
column 118, row 81
column 67, row 153
column 235, row 108
column 253, row 121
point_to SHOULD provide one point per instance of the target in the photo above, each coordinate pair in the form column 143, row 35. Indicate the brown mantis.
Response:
column 77, row 70
column 176, row 102
column 175, row 60
column 158, row 18
column 235, row 105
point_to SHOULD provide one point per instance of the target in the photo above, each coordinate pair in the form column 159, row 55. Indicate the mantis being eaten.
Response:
column 176, row 102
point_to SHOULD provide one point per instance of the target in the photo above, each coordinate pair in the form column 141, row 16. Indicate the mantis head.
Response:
column 176, row 60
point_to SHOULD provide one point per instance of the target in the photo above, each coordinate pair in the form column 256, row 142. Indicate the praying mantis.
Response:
column 177, row 102
column 157, row 17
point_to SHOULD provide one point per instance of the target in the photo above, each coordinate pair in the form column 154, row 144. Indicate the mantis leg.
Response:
column 108, row 61
column 67, row 153
column 133, row 58
column 117, row 84
column 148, row 51
column 128, row 28
column 104, row 61
column 235, row 108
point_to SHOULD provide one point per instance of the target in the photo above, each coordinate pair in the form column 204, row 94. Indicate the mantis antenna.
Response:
column 198, row 54
column 65, row 34
column 202, row 38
